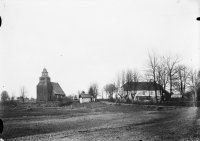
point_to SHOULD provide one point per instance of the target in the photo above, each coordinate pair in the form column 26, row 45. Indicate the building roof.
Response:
column 85, row 96
column 131, row 86
column 57, row 89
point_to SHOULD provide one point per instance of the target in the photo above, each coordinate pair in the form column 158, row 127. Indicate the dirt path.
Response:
column 111, row 123
column 86, row 127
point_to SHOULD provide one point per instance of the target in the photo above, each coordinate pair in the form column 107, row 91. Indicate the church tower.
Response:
column 44, row 87
column 47, row 90
column 44, row 78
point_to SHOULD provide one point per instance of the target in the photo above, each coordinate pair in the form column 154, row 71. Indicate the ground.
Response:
column 100, row 121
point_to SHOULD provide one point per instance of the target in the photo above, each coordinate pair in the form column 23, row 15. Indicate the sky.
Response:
column 90, row 41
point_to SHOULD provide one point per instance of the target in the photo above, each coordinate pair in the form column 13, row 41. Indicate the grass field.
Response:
column 100, row 121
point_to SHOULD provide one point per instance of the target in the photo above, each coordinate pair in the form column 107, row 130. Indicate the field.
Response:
column 100, row 121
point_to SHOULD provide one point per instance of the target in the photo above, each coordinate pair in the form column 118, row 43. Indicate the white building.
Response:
column 84, row 98
column 144, row 91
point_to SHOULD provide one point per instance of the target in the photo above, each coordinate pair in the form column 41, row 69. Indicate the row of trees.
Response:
column 5, row 96
column 120, row 79
column 166, row 70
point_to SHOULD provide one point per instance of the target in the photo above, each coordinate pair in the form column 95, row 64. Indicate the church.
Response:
column 47, row 90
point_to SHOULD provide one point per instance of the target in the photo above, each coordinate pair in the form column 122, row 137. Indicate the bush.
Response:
column 10, row 102
column 65, row 101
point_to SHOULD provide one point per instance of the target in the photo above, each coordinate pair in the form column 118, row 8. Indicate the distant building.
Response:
column 144, row 90
column 26, row 99
column 19, row 98
column 47, row 90
column 84, row 98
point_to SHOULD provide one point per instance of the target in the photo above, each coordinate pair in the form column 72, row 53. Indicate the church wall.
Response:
column 49, row 92
column 45, row 93
column 53, row 97
column 42, row 93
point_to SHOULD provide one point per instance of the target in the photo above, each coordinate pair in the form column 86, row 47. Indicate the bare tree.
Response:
column 118, row 82
column 94, row 90
column 162, row 76
column 136, row 78
column 194, row 83
column 129, row 79
column 182, row 78
column 91, row 91
column 23, row 92
column 110, row 89
column 148, row 78
column 121, row 80
column 171, row 62
column 152, row 69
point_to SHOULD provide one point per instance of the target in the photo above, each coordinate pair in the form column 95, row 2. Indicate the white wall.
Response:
column 84, row 100
column 147, row 93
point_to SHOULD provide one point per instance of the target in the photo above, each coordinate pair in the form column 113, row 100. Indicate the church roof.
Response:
column 57, row 89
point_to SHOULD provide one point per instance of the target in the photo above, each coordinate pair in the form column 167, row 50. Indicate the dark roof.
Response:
column 86, row 96
column 131, row 86
column 57, row 89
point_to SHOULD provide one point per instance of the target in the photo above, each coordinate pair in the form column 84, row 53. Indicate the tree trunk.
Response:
column 161, row 93
column 195, row 98
column 155, row 92
column 170, row 83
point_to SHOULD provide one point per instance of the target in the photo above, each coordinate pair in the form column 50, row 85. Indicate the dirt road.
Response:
column 110, row 122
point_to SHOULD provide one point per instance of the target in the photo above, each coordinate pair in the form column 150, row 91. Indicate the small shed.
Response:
column 84, row 98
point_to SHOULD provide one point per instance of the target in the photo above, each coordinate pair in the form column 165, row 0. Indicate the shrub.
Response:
column 65, row 101
column 10, row 102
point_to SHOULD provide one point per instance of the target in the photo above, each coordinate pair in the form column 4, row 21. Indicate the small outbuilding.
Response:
column 84, row 98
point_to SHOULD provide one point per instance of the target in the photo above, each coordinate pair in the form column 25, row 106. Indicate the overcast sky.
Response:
column 81, row 42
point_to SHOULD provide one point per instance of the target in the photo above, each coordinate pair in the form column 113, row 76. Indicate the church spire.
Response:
column 45, row 77
column 44, row 72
